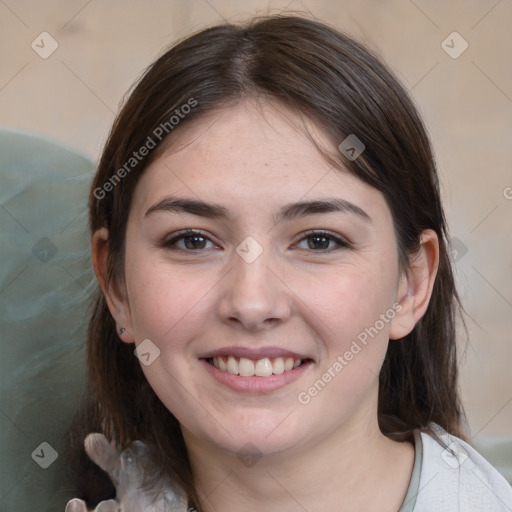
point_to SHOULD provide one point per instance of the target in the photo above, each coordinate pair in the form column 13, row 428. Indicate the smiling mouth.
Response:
column 261, row 368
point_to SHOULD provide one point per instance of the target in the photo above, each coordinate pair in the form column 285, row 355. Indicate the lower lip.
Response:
column 255, row 384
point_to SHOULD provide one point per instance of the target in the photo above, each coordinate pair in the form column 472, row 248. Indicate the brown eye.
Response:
column 194, row 242
column 189, row 240
column 320, row 241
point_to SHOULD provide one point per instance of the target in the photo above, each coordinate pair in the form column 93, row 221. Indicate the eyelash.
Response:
column 189, row 233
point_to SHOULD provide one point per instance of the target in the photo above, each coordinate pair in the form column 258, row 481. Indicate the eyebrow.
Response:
column 286, row 213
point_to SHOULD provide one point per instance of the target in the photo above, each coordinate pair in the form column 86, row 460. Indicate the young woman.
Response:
column 268, row 235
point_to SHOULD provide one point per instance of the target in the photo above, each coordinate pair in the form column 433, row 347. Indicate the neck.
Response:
column 352, row 468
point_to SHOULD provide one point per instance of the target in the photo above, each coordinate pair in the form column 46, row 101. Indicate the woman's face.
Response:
column 265, row 281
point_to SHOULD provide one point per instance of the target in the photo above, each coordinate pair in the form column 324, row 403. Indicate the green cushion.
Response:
column 46, row 283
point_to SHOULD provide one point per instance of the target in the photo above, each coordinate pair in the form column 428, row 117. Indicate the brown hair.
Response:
column 333, row 80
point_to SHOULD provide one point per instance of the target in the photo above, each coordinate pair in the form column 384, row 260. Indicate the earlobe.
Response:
column 114, row 295
column 416, row 285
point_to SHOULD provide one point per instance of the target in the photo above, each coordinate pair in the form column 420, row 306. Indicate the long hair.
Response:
column 324, row 76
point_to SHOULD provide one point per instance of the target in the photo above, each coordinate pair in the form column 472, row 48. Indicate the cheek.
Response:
column 349, row 304
column 354, row 338
column 354, row 319
column 170, row 308
column 165, row 302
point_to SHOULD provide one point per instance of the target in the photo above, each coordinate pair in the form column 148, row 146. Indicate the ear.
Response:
column 114, row 293
column 416, row 285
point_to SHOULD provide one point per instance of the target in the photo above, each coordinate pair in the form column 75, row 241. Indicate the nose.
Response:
column 254, row 295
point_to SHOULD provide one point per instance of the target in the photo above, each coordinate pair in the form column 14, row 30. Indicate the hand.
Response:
column 127, row 470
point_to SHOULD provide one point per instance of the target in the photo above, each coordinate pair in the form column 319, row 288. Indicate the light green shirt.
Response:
column 412, row 491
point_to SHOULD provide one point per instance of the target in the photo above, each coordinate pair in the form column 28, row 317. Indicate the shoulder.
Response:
column 458, row 478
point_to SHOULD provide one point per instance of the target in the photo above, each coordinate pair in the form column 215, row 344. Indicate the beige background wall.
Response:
column 73, row 96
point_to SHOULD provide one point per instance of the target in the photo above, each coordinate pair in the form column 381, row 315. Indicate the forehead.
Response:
column 251, row 153
column 259, row 132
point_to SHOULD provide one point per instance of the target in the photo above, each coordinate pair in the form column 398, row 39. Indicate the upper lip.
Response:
column 252, row 353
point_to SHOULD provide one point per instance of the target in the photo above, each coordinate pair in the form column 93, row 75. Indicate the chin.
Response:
column 263, row 434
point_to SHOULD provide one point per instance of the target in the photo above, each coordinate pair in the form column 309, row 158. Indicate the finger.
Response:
column 108, row 506
column 76, row 505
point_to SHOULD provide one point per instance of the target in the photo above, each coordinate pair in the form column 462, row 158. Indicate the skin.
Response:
column 327, row 455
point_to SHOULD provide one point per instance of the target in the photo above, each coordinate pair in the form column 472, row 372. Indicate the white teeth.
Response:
column 246, row 367
column 261, row 368
column 278, row 366
column 222, row 364
column 232, row 366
